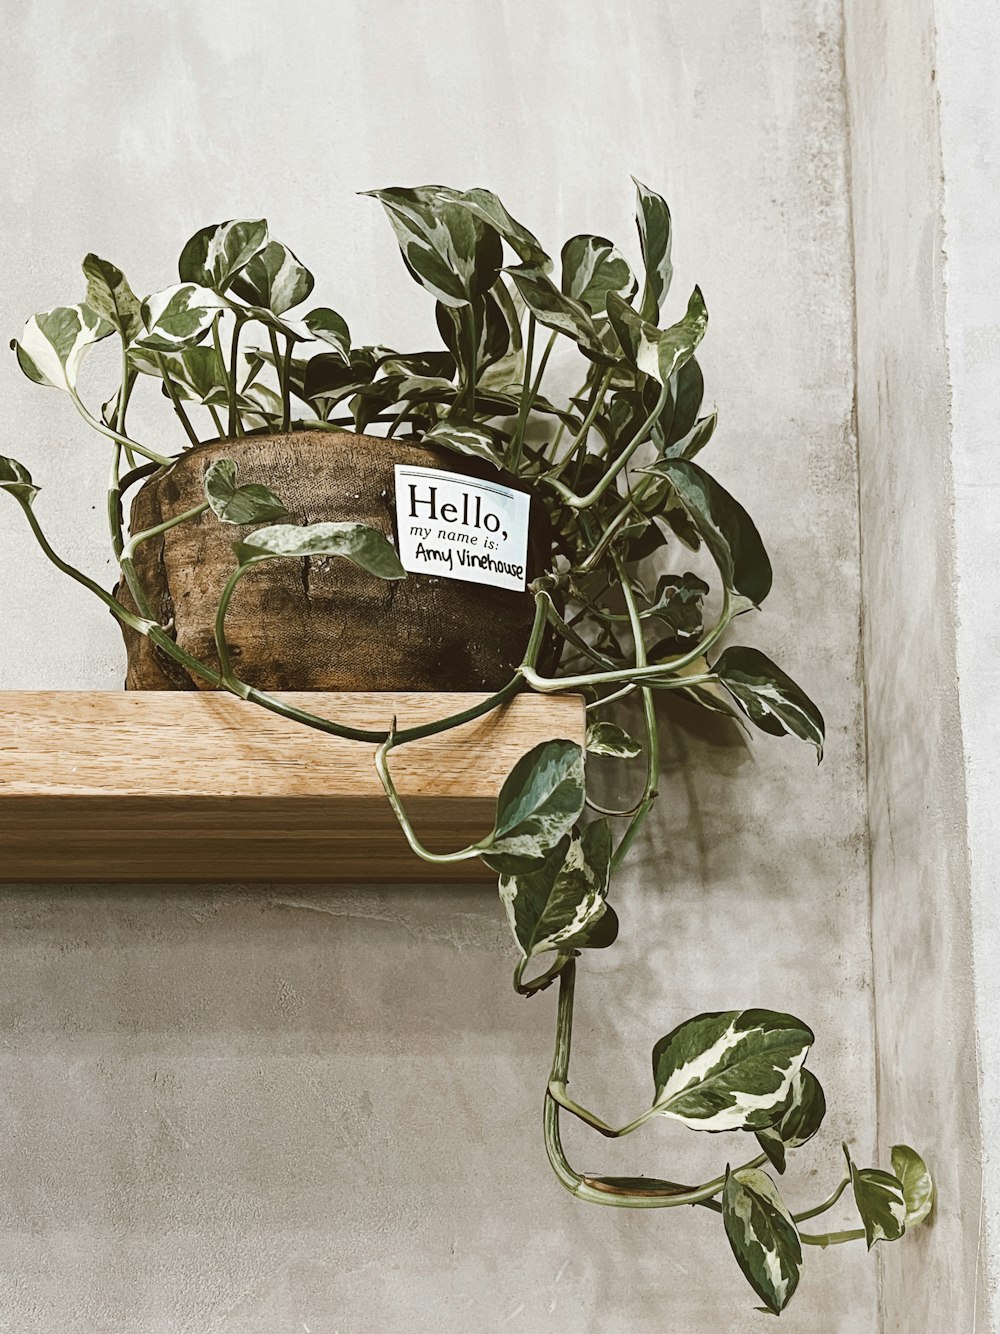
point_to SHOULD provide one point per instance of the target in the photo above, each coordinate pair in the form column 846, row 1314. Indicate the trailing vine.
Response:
column 617, row 467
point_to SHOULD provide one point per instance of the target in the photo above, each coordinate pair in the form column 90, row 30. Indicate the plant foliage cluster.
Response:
column 619, row 467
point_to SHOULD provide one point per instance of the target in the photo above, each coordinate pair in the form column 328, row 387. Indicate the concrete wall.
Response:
column 920, row 871
column 289, row 1109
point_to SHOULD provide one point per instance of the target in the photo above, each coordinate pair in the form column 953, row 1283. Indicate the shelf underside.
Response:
column 202, row 787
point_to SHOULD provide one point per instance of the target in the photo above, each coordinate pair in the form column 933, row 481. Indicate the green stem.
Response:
column 610, row 699
column 597, row 398
column 649, row 716
column 175, row 399
column 235, row 425
column 230, row 382
column 286, row 388
column 827, row 1204
column 529, row 388
column 437, row 858
column 138, row 538
column 831, row 1238
column 121, row 407
column 472, row 369
column 218, row 421
column 117, row 436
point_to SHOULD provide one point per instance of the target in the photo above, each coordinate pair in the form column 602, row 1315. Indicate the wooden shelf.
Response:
column 199, row 786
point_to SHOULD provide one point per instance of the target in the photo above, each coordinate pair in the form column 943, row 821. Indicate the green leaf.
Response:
column 179, row 317
column 472, row 441
column 880, row 1200
column 486, row 206
column 696, row 439
column 540, row 801
column 687, row 391
column 763, row 1236
column 365, row 546
column 109, row 294
column 327, row 325
column 638, row 338
column 724, row 525
column 730, row 1070
column 216, row 254
column 769, row 698
column 16, row 480
column 196, row 372
column 446, row 248
column 239, row 504
column 677, row 602
column 610, row 739
column 676, row 345
column 800, row 1120
column 591, row 268
column 273, row 278
column 555, row 906
column 556, row 310
column 55, row 342
column 653, row 220
column 918, row 1185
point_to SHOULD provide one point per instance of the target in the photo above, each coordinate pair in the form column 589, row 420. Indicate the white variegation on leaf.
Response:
column 555, row 309
column 768, row 697
column 463, row 439
column 195, row 372
column 233, row 503
column 880, row 1200
column 592, row 267
column 554, row 907
column 274, row 279
column 610, row 739
column 918, row 1185
column 653, row 221
column 178, row 317
column 762, row 1235
column 799, row 1121
column 55, row 342
column 729, row 1070
column 15, row 479
column 331, row 328
column 109, row 294
column 365, row 546
column 540, row 801
column 488, row 208
column 216, row 253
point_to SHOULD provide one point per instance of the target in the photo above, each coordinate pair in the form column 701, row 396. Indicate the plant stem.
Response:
column 597, row 398
column 528, row 396
column 230, row 382
column 831, row 1238
column 649, row 715
column 437, row 858
column 175, row 399
column 117, row 436
column 610, row 699
column 286, row 388
column 218, row 421
column 138, row 538
column 827, row 1204
column 122, row 405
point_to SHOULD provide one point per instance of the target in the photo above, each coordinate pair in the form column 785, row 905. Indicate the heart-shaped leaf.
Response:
column 555, row 310
column 918, row 1186
column 730, row 1070
column 724, row 525
column 239, row 504
column 610, row 739
column 462, row 438
column 540, row 801
column 486, row 206
column 762, row 1235
column 769, row 698
column 179, row 317
column 365, row 546
column 591, row 268
column 216, row 254
column 54, row 343
column 556, row 906
column 880, row 1200
column 799, row 1121
column 447, row 248
column 273, row 278
column 109, row 294
column 16, row 480
column 653, row 221
column 195, row 372
column 326, row 324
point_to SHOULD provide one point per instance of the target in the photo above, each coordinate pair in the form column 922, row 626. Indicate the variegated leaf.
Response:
column 463, row 439
column 677, row 602
column 555, row 907
column 638, row 338
column 880, row 1200
column 556, row 310
column 687, row 389
column 16, row 480
column 486, row 206
column 196, row 372
column 695, row 440
column 446, row 248
column 769, row 698
column 178, row 317
column 799, row 1121
column 918, row 1186
column 540, row 801
column 591, row 268
column 55, row 342
column 109, row 294
column 365, row 546
column 327, row 325
column 762, row 1235
column 724, row 525
column 273, row 278
column 610, row 739
column 653, row 222
column 233, row 503
column 730, row 1070
column 216, row 254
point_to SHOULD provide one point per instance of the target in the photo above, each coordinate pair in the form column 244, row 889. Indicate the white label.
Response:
column 459, row 527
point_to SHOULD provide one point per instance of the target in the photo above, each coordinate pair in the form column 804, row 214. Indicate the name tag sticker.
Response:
column 459, row 527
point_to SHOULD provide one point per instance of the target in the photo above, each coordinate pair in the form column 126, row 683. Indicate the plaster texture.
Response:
column 920, row 869
column 319, row 1110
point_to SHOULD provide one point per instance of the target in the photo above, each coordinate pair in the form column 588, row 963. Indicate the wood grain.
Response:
column 195, row 786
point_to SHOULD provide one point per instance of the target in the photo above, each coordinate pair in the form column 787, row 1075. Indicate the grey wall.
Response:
column 318, row 1110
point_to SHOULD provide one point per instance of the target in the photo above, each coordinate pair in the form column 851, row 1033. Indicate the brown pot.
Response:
column 320, row 624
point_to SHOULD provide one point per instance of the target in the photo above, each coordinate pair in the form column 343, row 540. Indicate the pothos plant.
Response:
column 617, row 466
